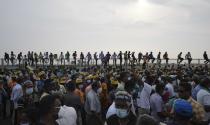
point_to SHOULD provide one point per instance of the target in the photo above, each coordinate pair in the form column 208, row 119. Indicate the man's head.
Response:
column 12, row 82
column 70, row 86
column 125, row 77
column 184, row 90
column 205, row 82
column 146, row 120
column 95, row 86
column 159, row 88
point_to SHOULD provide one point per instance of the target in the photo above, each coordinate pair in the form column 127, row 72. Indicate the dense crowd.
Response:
column 171, row 95
column 128, row 58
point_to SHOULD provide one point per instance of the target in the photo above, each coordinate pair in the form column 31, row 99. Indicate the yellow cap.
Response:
column 41, row 73
column 78, row 81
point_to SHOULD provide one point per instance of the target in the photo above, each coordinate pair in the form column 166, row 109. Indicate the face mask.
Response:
column 88, row 81
column 129, row 78
column 81, row 86
column 99, row 90
column 29, row 91
column 121, row 113
column 54, row 92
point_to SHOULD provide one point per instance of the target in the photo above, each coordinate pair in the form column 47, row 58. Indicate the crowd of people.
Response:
column 106, row 96
column 128, row 58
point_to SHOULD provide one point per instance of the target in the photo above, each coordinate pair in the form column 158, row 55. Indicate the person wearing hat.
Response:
column 40, row 83
column 114, row 84
column 183, row 112
column 184, row 92
column 92, row 103
column 28, row 90
column 123, row 115
column 79, row 88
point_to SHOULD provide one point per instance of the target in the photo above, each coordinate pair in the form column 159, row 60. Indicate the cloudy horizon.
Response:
column 108, row 25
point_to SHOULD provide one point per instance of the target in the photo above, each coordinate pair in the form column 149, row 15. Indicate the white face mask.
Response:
column 129, row 78
column 88, row 81
column 121, row 113
column 29, row 91
column 54, row 92
column 81, row 86
column 99, row 90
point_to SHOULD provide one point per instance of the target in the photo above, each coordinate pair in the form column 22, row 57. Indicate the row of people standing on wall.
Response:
column 128, row 58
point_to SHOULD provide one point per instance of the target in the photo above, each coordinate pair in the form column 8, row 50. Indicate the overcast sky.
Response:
column 109, row 25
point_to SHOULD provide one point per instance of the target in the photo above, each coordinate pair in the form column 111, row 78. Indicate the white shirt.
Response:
column 157, row 105
column 144, row 101
column 170, row 89
column 67, row 116
column 203, row 97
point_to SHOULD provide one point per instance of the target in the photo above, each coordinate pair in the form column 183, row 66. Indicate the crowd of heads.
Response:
column 44, row 89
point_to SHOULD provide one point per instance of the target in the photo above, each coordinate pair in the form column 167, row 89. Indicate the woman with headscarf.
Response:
column 124, row 115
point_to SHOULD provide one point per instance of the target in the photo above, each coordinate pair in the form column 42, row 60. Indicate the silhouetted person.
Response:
column 19, row 57
column 36, row 59
column 159, row 58
column 180, row 59
column 46, row 57
column 67, row 56
column 41, row 58
column 75, row 57
column 62, row 58
column 96, row 58
column 6, row 58
column 114, row 57
column 140, row 57
column 120, row 58
column 165, row 56
column 89, row 57
column 188, row 57
column 12, row 57
column 134, row 60
column 51, row 56
column 82, row 58
column 29, row 57
column 108, row 56
column 205, row 56
column 151, row 57
column 102, row 57
column 126, row 58
column 129, row 57
column 32, row 58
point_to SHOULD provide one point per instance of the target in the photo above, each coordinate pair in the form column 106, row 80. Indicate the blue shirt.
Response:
column 17, row 93
column 195, row 91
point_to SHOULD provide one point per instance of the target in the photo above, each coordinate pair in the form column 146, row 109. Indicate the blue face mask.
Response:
column 121, row 113
column 29, row 91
